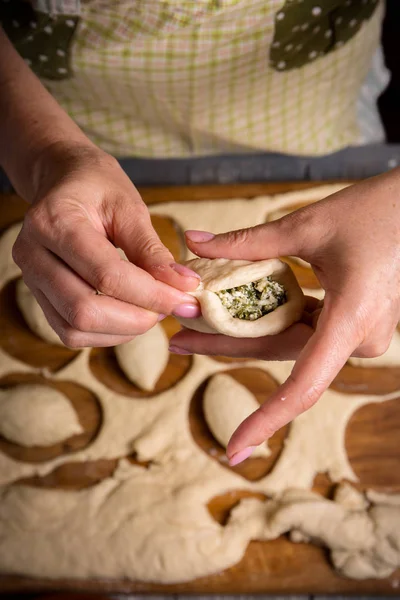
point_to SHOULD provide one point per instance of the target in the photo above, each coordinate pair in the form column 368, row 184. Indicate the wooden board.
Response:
column 277, row 567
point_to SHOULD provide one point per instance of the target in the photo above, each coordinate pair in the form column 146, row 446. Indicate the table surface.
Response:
column 276, row 567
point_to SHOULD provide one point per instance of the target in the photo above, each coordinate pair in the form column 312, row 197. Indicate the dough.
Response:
column 226, row 404
column 152, row 524
column 34, row 316
column 36, row 415
column 221, row 274
column 145, row 358
column 8, row 268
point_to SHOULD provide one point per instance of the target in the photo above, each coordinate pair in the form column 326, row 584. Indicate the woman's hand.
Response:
column 352, row 240
column 85, row 206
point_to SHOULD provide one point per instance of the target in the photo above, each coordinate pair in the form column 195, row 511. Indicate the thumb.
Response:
column 294, row 235
column 318, row 364
column 135, row 234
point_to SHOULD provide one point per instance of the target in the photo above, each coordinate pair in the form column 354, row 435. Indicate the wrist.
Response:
column 59, row 158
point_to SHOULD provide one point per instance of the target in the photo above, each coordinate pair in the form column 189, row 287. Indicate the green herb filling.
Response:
column 253, row 300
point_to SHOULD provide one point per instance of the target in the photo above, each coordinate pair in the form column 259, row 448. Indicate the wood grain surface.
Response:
column 277, row 567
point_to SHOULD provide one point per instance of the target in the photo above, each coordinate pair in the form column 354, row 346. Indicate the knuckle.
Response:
column 82, row 316
column 307, row 398
column 18, row 252
column 35, row 221
column 154, row 252
column 374, row 348
column 108, row 282
column 239, row 238
column 71, row 338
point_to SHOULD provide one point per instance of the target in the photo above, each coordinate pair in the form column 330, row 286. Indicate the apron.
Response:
column 166, row 78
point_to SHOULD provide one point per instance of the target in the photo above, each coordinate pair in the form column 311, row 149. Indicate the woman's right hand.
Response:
column 85, row 206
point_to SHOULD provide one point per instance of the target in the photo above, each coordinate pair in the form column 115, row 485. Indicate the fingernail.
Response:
column 187, row 311
column 241, row 456
column 161, row 317
column 176, row 350
column 199, row 236
column 184, row 271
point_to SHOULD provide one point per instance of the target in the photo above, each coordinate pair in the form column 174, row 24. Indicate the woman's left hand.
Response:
column 352, row 241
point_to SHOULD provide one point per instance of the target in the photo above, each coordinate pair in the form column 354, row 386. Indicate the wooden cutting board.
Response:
column 277, row 567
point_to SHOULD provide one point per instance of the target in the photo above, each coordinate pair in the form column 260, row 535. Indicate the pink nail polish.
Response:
column 241, row 456
column 184, row 271
column 199, row 236
column 176, row 350
column 161, row 317
column 187, row 311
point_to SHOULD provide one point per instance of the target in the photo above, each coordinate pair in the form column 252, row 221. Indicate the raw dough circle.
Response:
column 220, row 274
column 34, row 316
column 36, row 415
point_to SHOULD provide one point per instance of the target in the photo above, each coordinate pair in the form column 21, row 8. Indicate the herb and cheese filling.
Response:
column 254, row 300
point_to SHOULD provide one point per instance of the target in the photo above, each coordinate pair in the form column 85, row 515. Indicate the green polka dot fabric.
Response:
column 170, row 78
column 42, row 39
column 306, row 30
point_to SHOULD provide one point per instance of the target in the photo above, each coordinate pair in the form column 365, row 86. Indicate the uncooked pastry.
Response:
column 221, row 274
column 152, row 523
column 36, row 415
column 34, row 316
column 226, row 404
column 145, row 358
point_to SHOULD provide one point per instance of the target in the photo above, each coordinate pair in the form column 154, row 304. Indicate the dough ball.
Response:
column 34, row 316
column 226, row 405
column 145, row 358
column 36, row 415
column 268, row 288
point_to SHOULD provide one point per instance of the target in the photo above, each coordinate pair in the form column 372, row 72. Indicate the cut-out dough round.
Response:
column 145, row 358
column 222, row 274
column 34, row 316
column 227, row 403
column 36, row 415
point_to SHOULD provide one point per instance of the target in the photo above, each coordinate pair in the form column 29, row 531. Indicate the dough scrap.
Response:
column 228, row 403
column 34, row 316
column 221, row 274
column 145, row 358
column 36, row 415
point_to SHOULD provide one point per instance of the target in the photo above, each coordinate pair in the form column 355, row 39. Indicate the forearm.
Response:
column 31, row 122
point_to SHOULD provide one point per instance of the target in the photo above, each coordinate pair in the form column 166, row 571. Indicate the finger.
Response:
column 135, row 234
column 88, row 253
column 73, row 338
column 321, row 359
column 296, row 234
column 285, row 346
column 77, row 303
